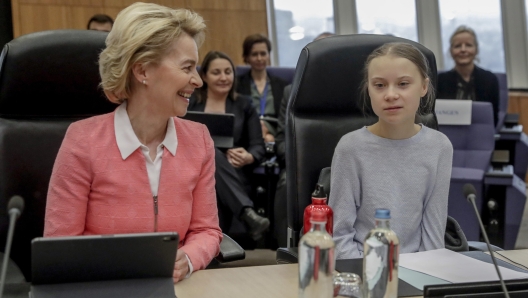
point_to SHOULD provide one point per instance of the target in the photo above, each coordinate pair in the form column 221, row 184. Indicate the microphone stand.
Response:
column 13, row 215
column 503, row 285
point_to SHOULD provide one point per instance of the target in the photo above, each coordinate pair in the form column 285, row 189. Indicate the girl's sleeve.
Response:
column 344, row 199
column 434, row 217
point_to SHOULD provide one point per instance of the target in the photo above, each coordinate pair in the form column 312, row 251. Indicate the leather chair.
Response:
column 47, row 80
column 322, row 108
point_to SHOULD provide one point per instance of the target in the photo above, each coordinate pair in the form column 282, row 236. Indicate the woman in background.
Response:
column 234, row 167
column 265, row 90
column 140, row 169
column 466, row 80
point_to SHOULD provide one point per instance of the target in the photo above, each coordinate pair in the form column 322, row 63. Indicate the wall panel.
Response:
column 226, row 31
column 228, row 21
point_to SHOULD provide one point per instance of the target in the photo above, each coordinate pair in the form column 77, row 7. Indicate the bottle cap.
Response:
column 319, row 191
column 318, row 216
column 382, row 214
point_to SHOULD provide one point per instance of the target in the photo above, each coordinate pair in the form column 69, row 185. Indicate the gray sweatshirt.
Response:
column 409, row 177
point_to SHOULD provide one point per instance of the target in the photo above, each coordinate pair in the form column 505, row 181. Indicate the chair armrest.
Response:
column 481, row 246
column 287, row 255
column 230, row 251
column 500, row 157
column 511, row 120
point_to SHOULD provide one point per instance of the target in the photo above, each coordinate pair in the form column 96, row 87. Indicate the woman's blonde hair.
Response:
column 142, row 33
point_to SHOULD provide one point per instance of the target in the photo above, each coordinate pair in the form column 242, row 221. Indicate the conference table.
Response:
column 269, row 281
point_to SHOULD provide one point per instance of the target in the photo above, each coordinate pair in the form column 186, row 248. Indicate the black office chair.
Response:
column 47, row 80
column 323, row 107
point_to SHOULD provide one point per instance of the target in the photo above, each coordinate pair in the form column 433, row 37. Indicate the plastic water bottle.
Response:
column 316, row 260
column 380, row 260
column 319, row 200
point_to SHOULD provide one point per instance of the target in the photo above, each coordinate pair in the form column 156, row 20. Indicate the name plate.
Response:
column 453, row 111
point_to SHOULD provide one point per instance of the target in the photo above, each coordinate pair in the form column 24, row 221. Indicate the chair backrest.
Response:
column 47, row 80
column 473, row 144
column 322, row 108
column 503, row 91
column 284, row 73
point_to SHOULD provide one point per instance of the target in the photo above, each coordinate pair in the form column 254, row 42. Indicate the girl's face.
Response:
column 395, row 87
column 463, row 49
column 219, row 76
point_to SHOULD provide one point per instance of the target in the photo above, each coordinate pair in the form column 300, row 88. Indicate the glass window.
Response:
column 483, row 16
column 297, row 23
column 387, row 17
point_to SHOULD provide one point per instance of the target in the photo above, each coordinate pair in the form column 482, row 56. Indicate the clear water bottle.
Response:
column 316, row 259
column 380, row 259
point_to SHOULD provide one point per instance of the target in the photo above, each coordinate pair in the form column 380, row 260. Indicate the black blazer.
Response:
column 486, row 87
column 247, row 132
column 277, row 88
column 280, row 137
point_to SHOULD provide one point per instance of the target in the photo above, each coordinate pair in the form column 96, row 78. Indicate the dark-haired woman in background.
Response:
column 234, row 166
column 265, row 90
column 466, row 80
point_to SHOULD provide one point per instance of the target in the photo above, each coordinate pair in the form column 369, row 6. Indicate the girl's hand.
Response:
column 181, row 268
column 239, row 157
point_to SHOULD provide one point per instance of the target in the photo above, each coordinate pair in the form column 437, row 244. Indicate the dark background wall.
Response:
column 6, row 22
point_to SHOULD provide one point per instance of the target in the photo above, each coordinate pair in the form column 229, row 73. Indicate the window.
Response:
column 297, row 23
column 387, row 17
column 483, row 16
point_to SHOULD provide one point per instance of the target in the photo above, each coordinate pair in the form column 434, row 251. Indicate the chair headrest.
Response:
column 283, row 73
column 52, row 74
column 328, row 64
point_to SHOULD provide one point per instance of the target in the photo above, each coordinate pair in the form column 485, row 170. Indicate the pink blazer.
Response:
column 94, row 191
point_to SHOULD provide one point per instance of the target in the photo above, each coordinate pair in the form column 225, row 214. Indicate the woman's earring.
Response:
column 144, row 82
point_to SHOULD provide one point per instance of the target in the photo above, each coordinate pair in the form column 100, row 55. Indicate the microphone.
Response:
column 15, row 208
column 470, row 194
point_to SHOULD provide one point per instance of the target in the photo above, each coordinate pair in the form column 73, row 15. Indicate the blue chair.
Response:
column 284, row 73
column 473, row 146
column 510, row 136
column 503, row 99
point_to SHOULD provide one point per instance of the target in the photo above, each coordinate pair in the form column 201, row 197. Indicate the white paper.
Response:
column 455, row 267
column 453, row 111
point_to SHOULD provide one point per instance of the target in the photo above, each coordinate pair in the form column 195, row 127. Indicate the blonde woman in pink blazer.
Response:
column 141, row 169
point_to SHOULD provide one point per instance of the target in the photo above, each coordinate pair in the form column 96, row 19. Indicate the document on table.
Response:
column 454, row 267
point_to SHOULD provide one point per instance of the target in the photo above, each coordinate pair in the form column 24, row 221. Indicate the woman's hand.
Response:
column 239, row 157
column 181, row 268
column 268, row 137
